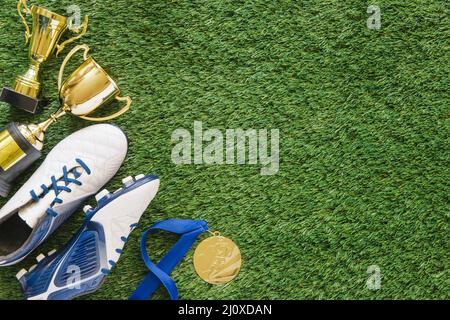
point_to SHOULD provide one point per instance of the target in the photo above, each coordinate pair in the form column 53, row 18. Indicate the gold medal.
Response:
column 217, row 259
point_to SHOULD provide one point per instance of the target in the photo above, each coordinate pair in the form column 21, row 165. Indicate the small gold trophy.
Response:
column 84, row 91
column 48, row 27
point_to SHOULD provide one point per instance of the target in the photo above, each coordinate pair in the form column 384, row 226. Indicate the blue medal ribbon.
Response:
column 159, row 274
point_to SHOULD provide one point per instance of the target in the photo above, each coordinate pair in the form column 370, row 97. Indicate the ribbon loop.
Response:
column 159, row 274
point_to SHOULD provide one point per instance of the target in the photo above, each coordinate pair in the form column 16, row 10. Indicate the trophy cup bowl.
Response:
column 47, row 30
column 88, row 88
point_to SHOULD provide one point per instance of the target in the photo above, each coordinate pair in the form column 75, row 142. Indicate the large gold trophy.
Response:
column 47, row 29
column 82, row 93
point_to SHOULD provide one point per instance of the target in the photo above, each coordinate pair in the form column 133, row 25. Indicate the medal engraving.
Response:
column 217, row 260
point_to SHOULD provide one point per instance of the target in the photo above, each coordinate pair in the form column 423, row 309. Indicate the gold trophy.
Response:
column 88, row 88
column 47, row 29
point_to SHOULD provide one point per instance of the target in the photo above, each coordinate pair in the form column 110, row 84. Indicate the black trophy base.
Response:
column 19, row 100
column 31, row 155
column 5, row 187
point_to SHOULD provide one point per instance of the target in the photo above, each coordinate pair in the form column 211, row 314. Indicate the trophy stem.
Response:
column 20, row 146
column 42, row 127
column 28, row 84
column 35, row 133
column 33, row 71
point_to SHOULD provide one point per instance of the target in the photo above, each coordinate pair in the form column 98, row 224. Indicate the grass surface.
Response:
column 363, row 119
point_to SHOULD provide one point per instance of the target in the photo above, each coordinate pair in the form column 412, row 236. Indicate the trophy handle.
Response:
column 128, row 101
column 68, row 57
column 23, row 7
column 84, row 25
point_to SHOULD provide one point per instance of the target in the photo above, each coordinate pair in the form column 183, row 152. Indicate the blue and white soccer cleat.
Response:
column 82, row 264
column 75, row 169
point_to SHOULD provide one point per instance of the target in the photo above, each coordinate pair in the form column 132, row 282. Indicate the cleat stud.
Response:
column 139, row 177
column 101, row 194
column 127, row 181
column 87, row 208
column 51, row 252
column 32, row 267
column 40, row 257
column 21, row 273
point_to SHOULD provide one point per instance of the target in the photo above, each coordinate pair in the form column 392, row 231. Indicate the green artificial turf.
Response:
column 364, row 139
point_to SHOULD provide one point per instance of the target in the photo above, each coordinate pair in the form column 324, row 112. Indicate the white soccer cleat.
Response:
column 75, row 169
column 81, row 265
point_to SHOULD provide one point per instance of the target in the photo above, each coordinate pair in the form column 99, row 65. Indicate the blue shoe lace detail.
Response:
column 60, row 188
column 119, row 251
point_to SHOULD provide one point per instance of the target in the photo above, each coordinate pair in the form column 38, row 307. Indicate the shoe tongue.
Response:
column 34, row 211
